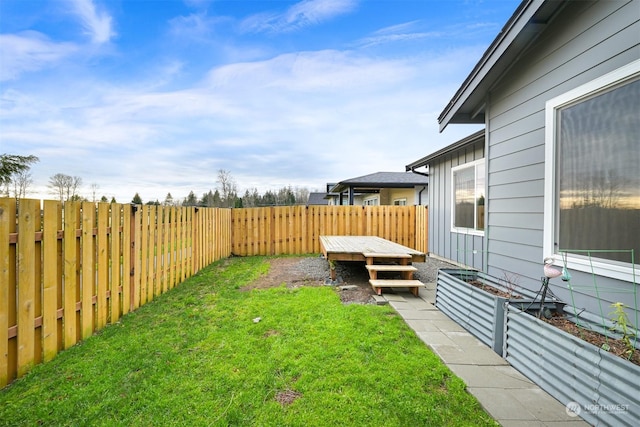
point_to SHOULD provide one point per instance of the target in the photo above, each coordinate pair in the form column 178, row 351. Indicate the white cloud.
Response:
column 295, row 119
column 300, row 15
column 29, row 51
column 97, row 24
column 311, row 72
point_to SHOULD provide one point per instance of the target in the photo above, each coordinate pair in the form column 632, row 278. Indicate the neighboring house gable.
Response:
column 558, row 93
column 383, row 188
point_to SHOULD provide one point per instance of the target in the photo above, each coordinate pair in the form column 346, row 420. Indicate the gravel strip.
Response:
column 317, row 268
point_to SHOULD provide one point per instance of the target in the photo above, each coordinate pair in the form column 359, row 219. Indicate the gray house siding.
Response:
column 462, row 248
column 584, row 41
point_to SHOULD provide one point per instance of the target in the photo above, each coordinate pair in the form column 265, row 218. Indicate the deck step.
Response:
column 383, row 255
column 389, row 267
column 413, row 285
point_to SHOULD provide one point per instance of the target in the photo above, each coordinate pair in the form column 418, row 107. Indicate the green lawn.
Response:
column 194, row 356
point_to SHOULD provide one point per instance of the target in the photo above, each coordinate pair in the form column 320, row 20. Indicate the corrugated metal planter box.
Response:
column 572, row 370
column 478, row 311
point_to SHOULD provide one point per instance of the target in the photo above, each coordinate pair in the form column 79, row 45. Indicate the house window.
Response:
column 400, row 202
column 468, row 198
column 371, row 201
column 592, row 183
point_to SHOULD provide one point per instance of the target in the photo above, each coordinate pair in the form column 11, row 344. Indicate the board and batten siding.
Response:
column 465, row 249
column 583, row 42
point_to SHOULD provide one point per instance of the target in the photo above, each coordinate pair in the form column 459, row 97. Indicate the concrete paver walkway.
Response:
column 507, row 395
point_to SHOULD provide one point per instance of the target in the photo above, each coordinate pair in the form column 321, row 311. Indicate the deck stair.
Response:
column 392, row 263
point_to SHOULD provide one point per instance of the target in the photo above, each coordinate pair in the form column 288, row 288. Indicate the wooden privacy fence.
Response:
column 296, row 229
column 68, row 270
column 66, row 273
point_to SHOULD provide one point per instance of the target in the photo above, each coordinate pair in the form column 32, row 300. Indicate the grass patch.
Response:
column 195, row 356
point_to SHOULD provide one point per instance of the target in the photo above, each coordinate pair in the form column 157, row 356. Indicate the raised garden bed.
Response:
column 604, row 385
column 478, row 306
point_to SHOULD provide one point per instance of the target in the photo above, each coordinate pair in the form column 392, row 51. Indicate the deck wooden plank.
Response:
column 336, row 246
column 412, row 285
column 392, row 268
column 387, row 283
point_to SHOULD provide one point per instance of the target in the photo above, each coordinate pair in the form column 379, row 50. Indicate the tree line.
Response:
column 226, row 196
column 15, row 180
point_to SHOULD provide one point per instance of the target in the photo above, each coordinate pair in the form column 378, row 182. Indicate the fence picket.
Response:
column 144, row 252
column 102, row 236
column 115, row 258
column 71, row 273
column 28, row 218
column 88, row 263
column 52, row 279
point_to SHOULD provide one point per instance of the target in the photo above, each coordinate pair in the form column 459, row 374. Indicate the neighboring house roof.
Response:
column 382, row 180
column 317, row 199
column 468, row 141
column 527, row 22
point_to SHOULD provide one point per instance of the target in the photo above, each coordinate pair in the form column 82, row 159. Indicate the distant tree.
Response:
column 21, row 181
column 78, row 198
column 228, row 188
column 251, row 198
column 113, row 199
column 286, row 197
column 136, row 200
column 104, row 199
column 217, row 200
column 302, row 195
column 168, row 200
column 94, row 189
column 207, row 200
column 65, row 186
column 190, row 200
column 269, row 199
column 11, row 164
column 153, row 203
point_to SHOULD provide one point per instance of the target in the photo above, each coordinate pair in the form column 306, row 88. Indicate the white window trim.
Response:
column 463, row 230
column 597, row 266
column 401, row 199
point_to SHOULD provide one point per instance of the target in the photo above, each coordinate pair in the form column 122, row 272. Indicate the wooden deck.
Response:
column 354, row 248
column 380, row 255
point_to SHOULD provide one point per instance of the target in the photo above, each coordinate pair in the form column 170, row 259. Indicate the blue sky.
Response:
column 157, row 96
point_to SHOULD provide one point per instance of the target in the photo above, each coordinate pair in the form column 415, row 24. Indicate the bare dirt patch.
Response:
column 293, row 272
column 287, row 397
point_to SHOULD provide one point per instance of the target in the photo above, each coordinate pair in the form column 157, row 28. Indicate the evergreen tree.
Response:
column 136, row 200
column 217, row 200
column 11, row 164
column 269, row 199
column 190, row 200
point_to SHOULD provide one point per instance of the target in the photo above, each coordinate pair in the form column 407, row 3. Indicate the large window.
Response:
column 467, row 209
column 592, row 215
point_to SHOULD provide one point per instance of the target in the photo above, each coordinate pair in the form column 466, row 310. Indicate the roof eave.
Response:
column 469, row 140
column 523, row 26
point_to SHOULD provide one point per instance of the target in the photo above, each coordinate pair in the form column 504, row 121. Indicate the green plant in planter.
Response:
column 623, row 325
